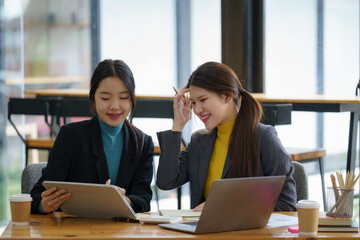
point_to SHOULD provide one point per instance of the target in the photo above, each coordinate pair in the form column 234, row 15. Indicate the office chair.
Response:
column 31, row 175
column 301, row 181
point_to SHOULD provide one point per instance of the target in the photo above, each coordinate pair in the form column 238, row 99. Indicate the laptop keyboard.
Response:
column 190, row 223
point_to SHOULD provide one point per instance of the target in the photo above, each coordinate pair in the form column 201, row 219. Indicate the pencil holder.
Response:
column 340, row 202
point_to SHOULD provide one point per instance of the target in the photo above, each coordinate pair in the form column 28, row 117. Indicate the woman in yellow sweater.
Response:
column 234, row 143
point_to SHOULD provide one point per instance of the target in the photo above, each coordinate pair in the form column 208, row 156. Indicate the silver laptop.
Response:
column 94, row 200
column 235, row 204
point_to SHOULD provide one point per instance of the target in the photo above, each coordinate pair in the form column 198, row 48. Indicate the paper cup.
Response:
column 20, row 205
column 308, row 214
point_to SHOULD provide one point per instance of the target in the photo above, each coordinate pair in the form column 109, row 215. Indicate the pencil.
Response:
column 176, row 91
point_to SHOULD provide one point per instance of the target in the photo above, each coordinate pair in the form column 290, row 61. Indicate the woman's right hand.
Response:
column 182, row 111
column 52, row 199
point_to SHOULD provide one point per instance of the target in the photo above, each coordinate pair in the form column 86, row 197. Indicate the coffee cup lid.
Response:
column 307, row 204
column 20, row 198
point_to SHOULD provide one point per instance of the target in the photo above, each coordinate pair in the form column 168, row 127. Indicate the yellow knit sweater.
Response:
column 218, row 155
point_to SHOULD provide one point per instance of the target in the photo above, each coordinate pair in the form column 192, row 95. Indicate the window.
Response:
column 291, row 54
column 143, row 35
column 45, row 44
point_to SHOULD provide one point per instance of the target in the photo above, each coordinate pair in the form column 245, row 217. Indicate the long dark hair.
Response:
column 119, row 69
column 243, row 145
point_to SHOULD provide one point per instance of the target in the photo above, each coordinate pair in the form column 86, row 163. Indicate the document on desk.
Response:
column 156, row 219
column 185, row 213
column 281, row 220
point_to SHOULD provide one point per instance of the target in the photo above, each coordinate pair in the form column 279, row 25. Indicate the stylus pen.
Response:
column 176, row 91
column 126, row 219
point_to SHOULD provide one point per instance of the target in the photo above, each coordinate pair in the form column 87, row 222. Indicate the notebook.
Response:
column 94, row 200
column 185, row 213
column 354, row 227
column 235, row 204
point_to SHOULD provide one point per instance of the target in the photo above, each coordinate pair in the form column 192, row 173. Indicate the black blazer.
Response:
column 78, row 156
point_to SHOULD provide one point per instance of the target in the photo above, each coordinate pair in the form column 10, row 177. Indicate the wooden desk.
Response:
column 313, row 99
column 61, row 226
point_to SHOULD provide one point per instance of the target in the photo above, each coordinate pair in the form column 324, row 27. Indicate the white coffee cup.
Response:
column 308, row 214
column 20, row 205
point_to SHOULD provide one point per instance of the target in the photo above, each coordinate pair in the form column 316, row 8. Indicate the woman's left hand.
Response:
column 122, row 190
column 199, row 207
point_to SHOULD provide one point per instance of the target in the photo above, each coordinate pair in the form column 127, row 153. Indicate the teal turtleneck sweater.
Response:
column 113, row 141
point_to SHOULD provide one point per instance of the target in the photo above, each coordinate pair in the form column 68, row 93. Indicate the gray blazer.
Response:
column 176, row 168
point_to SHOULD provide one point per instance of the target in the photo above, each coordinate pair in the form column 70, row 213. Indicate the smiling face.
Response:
column 112, row 101
column 211, row 108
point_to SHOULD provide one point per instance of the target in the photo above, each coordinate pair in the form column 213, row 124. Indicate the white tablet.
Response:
column 94, row 200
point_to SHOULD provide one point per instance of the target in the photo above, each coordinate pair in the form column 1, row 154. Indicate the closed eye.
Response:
column 105, row 99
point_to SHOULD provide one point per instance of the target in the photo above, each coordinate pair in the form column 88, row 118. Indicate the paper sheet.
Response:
column 281, row 220
column 180, row 213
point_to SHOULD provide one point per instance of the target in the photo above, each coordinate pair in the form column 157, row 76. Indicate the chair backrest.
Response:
column 72, row 108
column 154, row 108
column 276, row 113
column 31, row 175
column 301, row 181
column 30, row 106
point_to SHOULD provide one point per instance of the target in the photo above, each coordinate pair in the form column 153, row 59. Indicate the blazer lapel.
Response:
column 97, row 150
column 127, row 165
column 226, row 166
column 206, row 147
